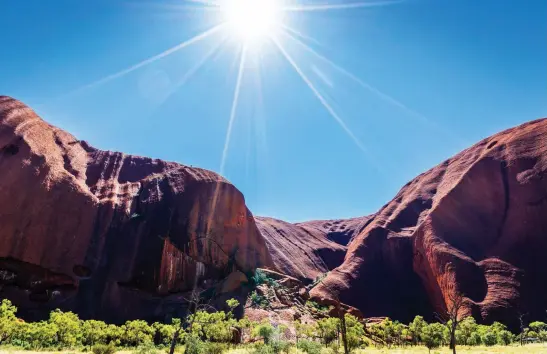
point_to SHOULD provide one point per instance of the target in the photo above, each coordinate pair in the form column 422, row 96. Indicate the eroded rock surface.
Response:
column 308, row 250
column 118, row 237
column 106, row 234
column 475, row 224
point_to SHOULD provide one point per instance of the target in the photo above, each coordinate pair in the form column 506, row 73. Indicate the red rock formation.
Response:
column 474, row 224
column 112, row 236
column 310, row 249
column 106, row 234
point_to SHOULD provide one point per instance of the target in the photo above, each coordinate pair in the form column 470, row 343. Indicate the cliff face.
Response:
column 475, row 224
column 310, row 249
column 110, row 235
column 118, row 237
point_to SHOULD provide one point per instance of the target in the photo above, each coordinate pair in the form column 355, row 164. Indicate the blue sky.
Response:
column 454, row 71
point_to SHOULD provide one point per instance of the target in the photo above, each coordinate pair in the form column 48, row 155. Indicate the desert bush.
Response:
column 258, row 300
column 214, row 348
column 103, row 349
column 317, row 307
column 489, row 338
column 7, row 320
column 279, row 346
column 432, row 335
column 327, row 329
column 69, row 328
column 136, row 333
column 355, row 331
column 260, row 277
column 94, row 332
column 474, row 339
column 309, row 346
column 263, row 330
column 147, row 348
column 193, row 345
column 262, row 348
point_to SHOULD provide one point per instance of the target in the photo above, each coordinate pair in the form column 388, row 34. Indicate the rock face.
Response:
column 475, row 224
column 110, row 235
column 118, row 237
column 310, row 249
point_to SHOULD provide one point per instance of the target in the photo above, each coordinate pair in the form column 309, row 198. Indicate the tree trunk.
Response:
column 453, row 340
column 174, row 341
column 343, row 328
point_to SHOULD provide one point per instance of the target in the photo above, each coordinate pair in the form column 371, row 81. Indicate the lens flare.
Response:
column 252, row 19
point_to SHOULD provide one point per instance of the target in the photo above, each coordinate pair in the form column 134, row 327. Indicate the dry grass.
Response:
column 527, row 349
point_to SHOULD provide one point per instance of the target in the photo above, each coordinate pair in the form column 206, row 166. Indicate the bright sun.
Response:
column 248, row 22
column 252, row 19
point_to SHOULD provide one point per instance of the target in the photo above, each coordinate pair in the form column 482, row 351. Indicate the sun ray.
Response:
column 327, row 7
column 187, row 5
column 234, row 108
column 228, row 134
column 300, row 34
column 320, row 97
column 359, row 81
column 145, row 62
column 422, row 118
column 261, row 117
column 214, row 49
column 205, row 2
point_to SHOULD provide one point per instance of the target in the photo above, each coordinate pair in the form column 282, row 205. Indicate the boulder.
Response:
column 233, row 282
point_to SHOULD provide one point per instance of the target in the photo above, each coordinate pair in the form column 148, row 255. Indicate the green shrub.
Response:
column 329, row 350
column 94, row 332
column 328, row 329
column 309, row 346
column 259, row 278
column 214, row 348
column 263, row 349
column 504, row 337
column 474, row 339
column 194, row 345
column 264, row 330
column 258, row 300
column 280, row 346
column 432, row 335
column 69, row 328
column 137, row 333
column 148, row 348
column 103, row 349
column 489, row 339
column 318, row 279
column 334, row 347
column 320, row 308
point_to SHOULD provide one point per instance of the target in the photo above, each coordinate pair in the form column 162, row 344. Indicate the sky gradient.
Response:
column 444, row 74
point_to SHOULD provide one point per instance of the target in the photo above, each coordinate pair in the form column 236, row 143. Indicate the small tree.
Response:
column 537, row 326
column 303, row 330
column 94, row 332
column 467, row 327
column 415, row 328
column 523, row 328
column 327, row 329
column 489, row 338
column 7, row 319
column 265, row 330
column 451, row 317
column 69, row 331
column 354, row 331
column 137, row 332
column 432, row 335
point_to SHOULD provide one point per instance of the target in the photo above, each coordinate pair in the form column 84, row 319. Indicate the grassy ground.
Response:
column 527, row 349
